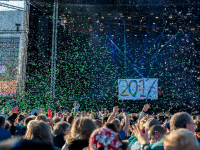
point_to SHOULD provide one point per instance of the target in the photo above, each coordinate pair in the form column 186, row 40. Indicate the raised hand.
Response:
column 146, row 107
column 115, row 109
column 142, row 137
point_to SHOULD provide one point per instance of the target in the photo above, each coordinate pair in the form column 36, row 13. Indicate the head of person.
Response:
column 104, row 119
column 111, row 126
column 12, row 118
column 19, row 118
column 13, row 115
column 182, row 120
column 40, row 131
column 156, row 133
column 2, row 121
column 27, row 120
column 80, row 129
column 151, row 122
column 104, row 138
column 70, row 119
column 64, row 118
column 41, row 117
column 117, row 124
column 56, row 119
column 98, row 123
column 143, row 123
column 61, row 128
column 181, row 139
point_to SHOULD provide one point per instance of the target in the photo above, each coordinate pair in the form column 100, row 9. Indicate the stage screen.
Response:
column 138, row 89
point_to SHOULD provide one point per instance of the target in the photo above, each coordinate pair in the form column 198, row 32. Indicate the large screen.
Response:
column 138, row 89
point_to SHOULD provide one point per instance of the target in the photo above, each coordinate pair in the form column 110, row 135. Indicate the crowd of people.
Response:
column 81, row 130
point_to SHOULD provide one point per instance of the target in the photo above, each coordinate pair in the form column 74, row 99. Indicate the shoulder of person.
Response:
column 122, row 132
column 158, row 145
column 135, row 146
column 6, row 132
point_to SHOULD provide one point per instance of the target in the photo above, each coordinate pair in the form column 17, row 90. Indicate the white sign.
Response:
column 138, row 89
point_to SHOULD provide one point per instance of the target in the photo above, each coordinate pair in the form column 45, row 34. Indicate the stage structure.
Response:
column 14, row 16
column 90, row 44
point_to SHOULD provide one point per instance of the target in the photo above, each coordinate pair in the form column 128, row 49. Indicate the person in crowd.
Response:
column 117, row 123
column 149, row 123
column 50, row 121
column 180, row 139
column 41, row 117
column 64, row 118
column 98, row 123
column 4, row 134
column 178, row 120
column 197, row 130
column 7, row 125
column 39, row 131
column 142, row 122
column 80, row 132
column 56, row 120
column 156, row 133
column 70, row 119
column 22, row 144
column 60, row 130
column 19, row 120
column 104, row 138
column 182, row 120
column 104, row 120
column 21, row 130
column 11, row 120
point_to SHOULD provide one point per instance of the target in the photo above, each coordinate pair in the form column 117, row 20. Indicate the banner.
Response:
column 138, row 89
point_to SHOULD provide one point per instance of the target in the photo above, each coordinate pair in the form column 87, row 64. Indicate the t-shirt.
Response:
column 158, row 146
column 137, row 146
column 132, row 140
column 122, row 134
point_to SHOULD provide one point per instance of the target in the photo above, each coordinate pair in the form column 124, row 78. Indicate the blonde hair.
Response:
column 181, row 139
column 40, row 131
column 81, row 128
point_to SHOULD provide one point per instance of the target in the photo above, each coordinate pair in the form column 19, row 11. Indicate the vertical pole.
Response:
column 24, row 36
column 125, row 47
column 54, row 50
